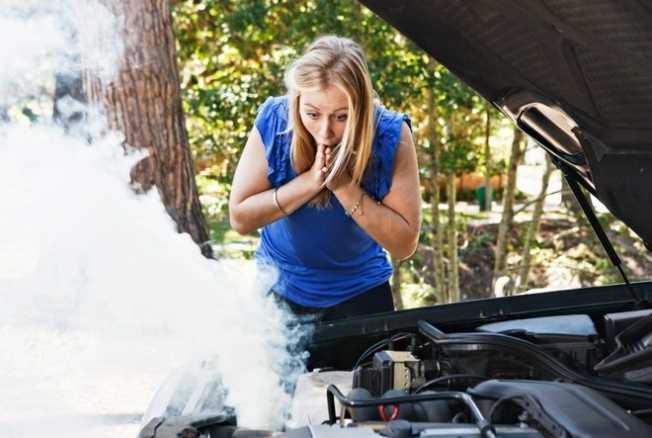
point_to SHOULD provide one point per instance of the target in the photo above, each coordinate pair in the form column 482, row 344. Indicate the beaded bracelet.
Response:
column 356, row 207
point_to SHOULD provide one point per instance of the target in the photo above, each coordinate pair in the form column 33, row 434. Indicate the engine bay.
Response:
column 552, row 376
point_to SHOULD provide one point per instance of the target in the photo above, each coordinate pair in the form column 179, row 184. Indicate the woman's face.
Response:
column 324, row 114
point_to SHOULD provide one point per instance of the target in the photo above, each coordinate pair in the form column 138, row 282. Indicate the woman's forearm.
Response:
column 383, row 224
column 260, row 209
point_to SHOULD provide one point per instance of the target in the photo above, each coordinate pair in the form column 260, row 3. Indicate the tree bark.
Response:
column 72, row 87
column 144, row 102
column 509, row 194
column 453, row 262
column 396, row 284
column 358, row 32
column 533, row 227
column 487, row 157
column 436, row 238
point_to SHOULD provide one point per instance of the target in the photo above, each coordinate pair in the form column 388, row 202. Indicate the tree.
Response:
column 458, row 157
column 487, row 161
column 509, row 195
column 396, row 284
column 144, row 102
column 460, row 108
column 533, row 227
column 449, row 119
column 451, row 241
column 68, row 90
column 437, row 237
column 69, row 102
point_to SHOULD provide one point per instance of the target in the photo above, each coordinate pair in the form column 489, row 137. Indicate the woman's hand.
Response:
column 319, row 168
column 340, row 180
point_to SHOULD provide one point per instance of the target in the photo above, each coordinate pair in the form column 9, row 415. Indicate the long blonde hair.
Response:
column 333, row 60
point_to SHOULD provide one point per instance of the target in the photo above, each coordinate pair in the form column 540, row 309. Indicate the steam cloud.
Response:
column 102, row 298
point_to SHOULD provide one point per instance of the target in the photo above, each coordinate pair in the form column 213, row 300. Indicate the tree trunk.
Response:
column 358, row 32
column 568, row 199
column 396, row 284
column 533, row 228
column 508, row 206
column 144, row 102
column 572, row 206
column 68, row 89
column 453, row 267
column 436, row 238
column 487, row 157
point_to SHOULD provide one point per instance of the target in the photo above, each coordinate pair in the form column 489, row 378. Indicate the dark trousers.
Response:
column 375, row 300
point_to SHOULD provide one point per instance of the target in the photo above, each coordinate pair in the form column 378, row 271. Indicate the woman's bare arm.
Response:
column 251, row 204
column 395, row 223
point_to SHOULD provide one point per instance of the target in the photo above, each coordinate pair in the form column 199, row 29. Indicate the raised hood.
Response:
column 576, row 75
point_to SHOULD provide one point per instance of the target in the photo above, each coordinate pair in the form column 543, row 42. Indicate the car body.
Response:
column 576, row 76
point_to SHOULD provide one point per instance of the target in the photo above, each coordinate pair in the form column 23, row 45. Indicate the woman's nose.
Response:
column 325, row 131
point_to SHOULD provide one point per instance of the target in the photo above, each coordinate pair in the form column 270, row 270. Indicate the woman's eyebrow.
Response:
column 318, row 109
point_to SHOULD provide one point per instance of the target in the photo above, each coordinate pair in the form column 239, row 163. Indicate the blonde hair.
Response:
column 333, row 60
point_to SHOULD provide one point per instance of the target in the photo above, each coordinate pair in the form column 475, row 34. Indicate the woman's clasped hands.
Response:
column 322, row 167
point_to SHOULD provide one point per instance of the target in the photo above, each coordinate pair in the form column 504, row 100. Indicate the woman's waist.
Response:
column 315, row 255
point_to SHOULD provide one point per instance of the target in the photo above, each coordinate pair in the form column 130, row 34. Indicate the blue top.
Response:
column 323, row 256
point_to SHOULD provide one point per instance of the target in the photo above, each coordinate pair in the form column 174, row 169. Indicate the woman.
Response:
column 332, row 179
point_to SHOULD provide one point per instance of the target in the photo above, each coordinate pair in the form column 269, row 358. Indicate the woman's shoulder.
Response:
column 272, row 119
column 271, row 123
column 389, row 125
column 276, row 101
column 274, row 107
column 390, row 120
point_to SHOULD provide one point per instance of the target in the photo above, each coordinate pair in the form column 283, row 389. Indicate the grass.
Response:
column 228, row 243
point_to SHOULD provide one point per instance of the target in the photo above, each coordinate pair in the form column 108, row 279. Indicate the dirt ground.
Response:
column 566, row 255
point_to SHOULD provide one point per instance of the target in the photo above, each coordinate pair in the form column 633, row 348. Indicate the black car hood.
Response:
column 576, row 75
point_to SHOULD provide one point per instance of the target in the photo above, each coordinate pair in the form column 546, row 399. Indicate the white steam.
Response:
column 102, row 298
column 43, row 38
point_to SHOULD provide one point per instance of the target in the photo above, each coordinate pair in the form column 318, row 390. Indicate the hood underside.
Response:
column 576, row 75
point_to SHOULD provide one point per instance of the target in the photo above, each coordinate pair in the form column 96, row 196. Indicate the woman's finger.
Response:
column 327, row 154
column 319, row 156
column 326, row 160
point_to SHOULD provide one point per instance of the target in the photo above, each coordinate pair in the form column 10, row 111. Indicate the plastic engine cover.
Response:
column 581, row 412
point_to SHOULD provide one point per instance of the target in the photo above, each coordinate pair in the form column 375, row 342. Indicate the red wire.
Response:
column 395, row 412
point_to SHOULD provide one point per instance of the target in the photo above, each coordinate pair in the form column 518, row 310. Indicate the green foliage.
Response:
column 418, row 294
column 214, row 195
column 229, row 244
column 479, row 241
column 233, row 55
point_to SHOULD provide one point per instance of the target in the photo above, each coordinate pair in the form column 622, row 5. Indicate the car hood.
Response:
column 575, row 75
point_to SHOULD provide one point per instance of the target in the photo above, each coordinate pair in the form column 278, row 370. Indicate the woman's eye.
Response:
column 312, row 115
column 342, row 118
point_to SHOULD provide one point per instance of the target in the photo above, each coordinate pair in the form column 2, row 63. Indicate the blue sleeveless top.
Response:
column 322, row 255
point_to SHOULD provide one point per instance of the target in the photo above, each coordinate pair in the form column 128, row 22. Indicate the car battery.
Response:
column 389, row 370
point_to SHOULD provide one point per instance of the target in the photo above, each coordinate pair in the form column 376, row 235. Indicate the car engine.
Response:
column 540, row 377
